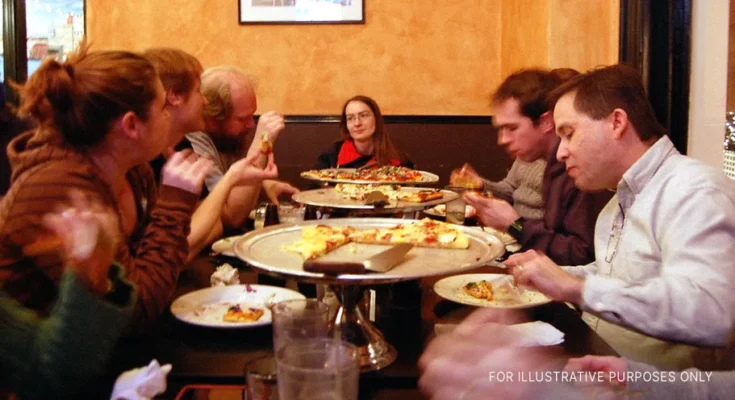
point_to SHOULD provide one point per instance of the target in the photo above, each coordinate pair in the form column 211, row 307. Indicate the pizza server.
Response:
column 381, row 262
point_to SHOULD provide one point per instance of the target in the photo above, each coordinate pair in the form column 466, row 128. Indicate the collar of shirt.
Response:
column 640, row 173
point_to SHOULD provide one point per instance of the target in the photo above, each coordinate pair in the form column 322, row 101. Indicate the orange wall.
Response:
column 423, row 57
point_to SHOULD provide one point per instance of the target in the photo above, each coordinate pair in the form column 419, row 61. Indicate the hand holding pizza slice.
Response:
column 466, row 177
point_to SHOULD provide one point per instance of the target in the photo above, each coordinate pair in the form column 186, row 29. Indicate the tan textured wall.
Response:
column 583, row 33
column 525, row 35
column 424, row 57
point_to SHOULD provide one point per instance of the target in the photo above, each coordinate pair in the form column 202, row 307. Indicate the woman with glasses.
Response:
column 364, row 140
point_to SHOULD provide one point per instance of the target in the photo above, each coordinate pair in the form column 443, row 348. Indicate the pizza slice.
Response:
column 320, row 174
column 423, row 233
column 238, row 314
column 359, row 192
column 466, row 177
column 266, row 147
column 318, row 240
column 421, row 196
column 392, row 173
column 479, row 290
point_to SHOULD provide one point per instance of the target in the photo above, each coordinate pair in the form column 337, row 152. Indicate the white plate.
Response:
column 450, row 288
column 206, row 307
column 224, row 246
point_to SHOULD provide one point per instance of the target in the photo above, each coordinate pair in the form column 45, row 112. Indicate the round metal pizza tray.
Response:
column 330, row 197
column 428, row 178
column 263, row 249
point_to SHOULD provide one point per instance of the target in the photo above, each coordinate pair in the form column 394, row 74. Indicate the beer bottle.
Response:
column 271, row 215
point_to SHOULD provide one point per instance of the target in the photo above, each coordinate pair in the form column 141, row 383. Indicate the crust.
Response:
column 417, row 197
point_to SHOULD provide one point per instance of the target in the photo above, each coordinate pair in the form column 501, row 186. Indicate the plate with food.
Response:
column 383, row 175
column 439, row 248
column 393, row 197
column 235, row 306
column 488, row 290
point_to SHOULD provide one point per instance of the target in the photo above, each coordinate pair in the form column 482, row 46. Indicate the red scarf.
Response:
column 348, row 153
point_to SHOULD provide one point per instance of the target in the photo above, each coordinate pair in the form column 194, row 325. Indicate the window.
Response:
column 53, row 28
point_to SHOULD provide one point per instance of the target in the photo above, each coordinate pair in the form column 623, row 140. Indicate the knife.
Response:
column 381, row 262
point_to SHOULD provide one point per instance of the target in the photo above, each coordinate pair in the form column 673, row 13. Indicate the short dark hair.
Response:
column 531, row 88
column 600, row 91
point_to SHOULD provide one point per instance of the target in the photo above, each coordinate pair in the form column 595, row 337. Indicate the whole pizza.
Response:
column 386, row 173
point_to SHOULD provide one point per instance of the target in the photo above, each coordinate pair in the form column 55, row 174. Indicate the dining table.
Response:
column 212, row 358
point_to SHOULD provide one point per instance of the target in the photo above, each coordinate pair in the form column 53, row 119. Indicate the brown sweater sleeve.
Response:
column 161, row 251
column 153, row 259
column 30, row 266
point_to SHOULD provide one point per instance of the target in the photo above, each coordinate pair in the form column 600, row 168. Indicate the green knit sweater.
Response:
column 44, row 358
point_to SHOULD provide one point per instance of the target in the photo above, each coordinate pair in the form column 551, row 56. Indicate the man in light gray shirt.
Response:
column 663, row 273
column 231, row 134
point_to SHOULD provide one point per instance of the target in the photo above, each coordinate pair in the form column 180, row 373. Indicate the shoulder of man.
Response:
column 686, row 174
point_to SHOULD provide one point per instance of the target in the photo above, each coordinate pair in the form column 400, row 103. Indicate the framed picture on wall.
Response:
column 301, row 11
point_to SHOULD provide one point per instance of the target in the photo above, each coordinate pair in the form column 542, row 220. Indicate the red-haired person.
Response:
column 180, row 74
column 364, row 139
column 102, row 117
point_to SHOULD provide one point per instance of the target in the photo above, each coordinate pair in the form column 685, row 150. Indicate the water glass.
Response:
column 455, row 209
column 318, row 369
column 289, row 212
column 298, row 320
column 260, row 375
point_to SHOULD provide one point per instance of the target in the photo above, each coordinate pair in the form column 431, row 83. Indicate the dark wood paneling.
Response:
column 655, row 37
column 434, row 144
column 14, row 45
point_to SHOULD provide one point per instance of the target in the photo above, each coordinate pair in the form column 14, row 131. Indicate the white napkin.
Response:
column 528, row 334
column 141, row 383
column 225, row 275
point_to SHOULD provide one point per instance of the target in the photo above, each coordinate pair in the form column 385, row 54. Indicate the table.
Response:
column 211, row 356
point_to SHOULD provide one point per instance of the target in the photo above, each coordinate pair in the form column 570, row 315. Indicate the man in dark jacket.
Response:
column 525, row 127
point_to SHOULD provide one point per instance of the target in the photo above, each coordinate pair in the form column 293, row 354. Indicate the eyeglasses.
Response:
column 615, row 235
column 363, row 116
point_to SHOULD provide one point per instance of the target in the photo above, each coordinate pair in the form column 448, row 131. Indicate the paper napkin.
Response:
column 141, row 383
column 528, row 334
column 225, row 275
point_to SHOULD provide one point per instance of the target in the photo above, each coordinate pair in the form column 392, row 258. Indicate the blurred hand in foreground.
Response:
column 472, row 361
column 89, row 235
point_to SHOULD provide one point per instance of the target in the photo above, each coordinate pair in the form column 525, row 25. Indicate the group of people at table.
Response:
column 141, row 160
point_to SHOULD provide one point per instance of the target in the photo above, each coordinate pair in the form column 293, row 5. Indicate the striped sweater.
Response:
column 44, row 170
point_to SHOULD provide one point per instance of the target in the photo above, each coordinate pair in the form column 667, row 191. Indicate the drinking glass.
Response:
column 289, row 212
column 455, row 209
column 297, row 320
column 260, row 375
column 318, row 369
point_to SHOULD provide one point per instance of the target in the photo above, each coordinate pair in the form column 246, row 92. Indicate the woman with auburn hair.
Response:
column 364, row 140
column 102, row 116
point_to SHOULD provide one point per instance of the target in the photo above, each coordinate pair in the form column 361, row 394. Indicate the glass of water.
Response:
column 455, row 209
column 318, row 369
column 290, row 213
